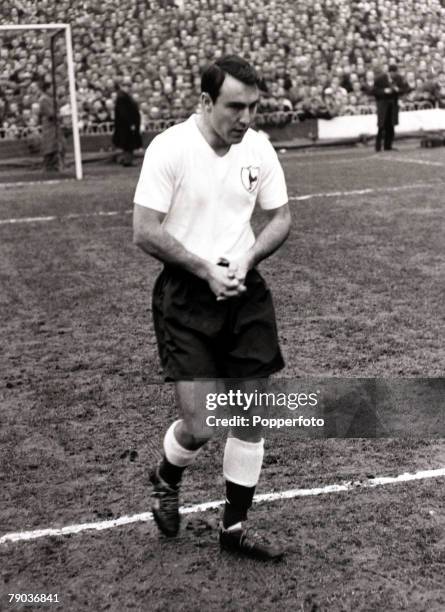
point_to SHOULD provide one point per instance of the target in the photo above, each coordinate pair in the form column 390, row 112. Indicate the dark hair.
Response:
column 213, row 76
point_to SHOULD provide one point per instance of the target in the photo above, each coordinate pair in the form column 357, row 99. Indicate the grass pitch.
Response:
column 359, row 292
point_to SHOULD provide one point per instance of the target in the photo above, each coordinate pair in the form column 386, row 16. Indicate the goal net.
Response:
column 38, row 104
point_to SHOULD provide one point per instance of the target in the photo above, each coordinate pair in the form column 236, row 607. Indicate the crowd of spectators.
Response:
column 317, row 58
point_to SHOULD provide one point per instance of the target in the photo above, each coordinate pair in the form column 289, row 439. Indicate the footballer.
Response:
column 213, row 313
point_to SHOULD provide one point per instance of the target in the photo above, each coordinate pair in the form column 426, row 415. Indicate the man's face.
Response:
column 234, row 110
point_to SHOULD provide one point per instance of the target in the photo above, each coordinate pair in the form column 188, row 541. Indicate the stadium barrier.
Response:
column 413, row 106
column 357, row 127
column 264, row 120
column 282, row 127
column 25, row 141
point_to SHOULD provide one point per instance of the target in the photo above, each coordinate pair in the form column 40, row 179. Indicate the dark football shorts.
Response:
column 200, row 337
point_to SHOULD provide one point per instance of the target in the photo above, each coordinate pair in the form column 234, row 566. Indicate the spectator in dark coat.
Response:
column 52, row 145
column 388, row 87
column 127, row 123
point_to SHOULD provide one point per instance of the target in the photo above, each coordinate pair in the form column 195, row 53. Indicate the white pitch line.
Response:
column 37, row 182
column 266, row 497
column 410, row 160
column 336, row 194
column 344, row 160
column 17, row 220
column 26, row 220
column 309, row 196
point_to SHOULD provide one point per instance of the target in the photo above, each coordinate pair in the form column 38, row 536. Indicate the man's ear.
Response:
column 206, row 101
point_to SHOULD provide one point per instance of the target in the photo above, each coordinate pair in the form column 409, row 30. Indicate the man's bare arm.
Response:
column 152, row 238
column 273, row 234
column 271, row 237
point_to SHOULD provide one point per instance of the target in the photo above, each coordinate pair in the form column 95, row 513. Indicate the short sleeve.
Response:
column 272, row 191
column 156, row 182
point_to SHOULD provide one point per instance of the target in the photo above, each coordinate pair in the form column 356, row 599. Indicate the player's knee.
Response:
column 248, row 434
column 200, row 437
column 193, row 436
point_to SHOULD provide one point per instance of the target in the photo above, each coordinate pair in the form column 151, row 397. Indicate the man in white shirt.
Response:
column 213, row 313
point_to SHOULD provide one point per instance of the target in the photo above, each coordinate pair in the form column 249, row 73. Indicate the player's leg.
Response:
column 187, row 320
column 243, row 456
column 255, row 354
column 186, row 436
column 182, row 443
column 243, row 459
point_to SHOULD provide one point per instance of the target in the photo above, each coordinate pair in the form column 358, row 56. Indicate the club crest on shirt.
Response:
column 249, row 177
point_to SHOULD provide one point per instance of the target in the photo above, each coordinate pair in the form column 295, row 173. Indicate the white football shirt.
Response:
column 208, row 199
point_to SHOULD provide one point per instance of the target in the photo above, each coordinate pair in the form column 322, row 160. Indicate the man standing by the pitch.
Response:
column 127, row 122
column 53, row 146
column 388, row 87
column 213, row 314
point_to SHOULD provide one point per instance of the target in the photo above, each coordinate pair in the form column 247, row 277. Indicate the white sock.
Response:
column 242, row 461
column 174, row 452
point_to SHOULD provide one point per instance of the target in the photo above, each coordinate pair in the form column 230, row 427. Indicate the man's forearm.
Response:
column 163, row 246
column 270, row 238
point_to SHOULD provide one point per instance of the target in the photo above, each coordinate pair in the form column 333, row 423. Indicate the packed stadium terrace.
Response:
column 318, row 59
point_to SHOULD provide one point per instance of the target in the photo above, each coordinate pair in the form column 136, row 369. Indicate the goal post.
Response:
column 53, row 29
